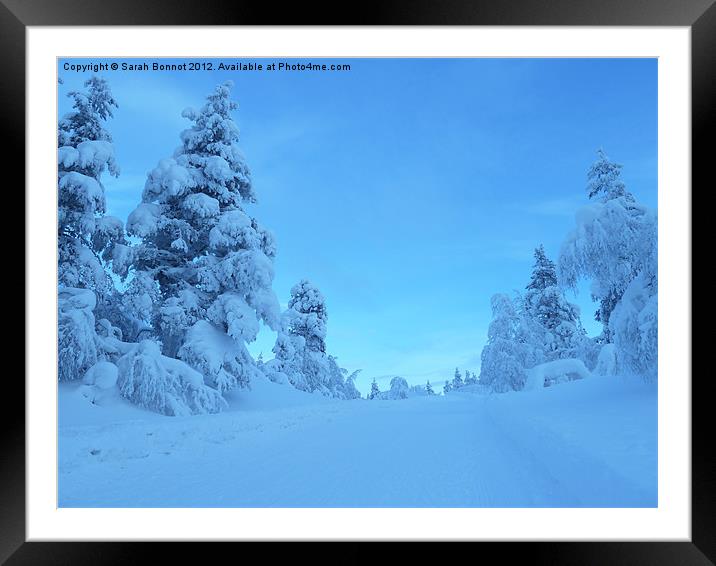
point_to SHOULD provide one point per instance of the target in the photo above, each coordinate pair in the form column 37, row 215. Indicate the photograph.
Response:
column 376, row 282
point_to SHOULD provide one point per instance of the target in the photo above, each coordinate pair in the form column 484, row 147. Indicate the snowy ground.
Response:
column 588, row 443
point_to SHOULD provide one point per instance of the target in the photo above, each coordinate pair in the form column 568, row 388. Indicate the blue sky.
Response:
column 408, row 190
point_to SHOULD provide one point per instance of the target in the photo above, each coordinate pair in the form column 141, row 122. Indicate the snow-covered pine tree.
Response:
column 611, row 241
column 374, row 390
column 558, row 327
column 604, row 181
column 510, row 348
column 212, row 262
column 429, row 388
column 470, row 378
column 614, row 244
column 300, row 349
column 447, row 387
column 87, row 238
column 457, row 382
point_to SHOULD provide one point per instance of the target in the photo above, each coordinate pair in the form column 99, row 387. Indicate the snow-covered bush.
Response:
column 607, row 363
column 634, row 327
column 162, row 384
column 556, row 371
column 399, row 389
column 350, row 389
column 78, row 347
column 100, row 383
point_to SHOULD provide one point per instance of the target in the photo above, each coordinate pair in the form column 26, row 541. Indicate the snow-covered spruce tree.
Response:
column 611, row 242
column 429, row 388
column 447, row 387
column 374, row 390
column 614, row 245
column 604, row 179
column 212, row 262
column 470, row 378
column 300, row 349
column 510, row 348
column 87, row 238
column 558, row 327
column 457, row 382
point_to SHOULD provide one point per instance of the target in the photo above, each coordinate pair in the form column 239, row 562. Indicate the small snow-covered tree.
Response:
column 470, row 378
column 604, row 179
column 557, row 325
column 399, row 389
column 310, row 317
column 212, row 262
column 457, row 382
column 300, row 349
column 510, row 348
column 429, row 388
column 447, row 387
column 374, row 390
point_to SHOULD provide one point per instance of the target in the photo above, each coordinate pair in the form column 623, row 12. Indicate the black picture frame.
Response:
column 699, row 15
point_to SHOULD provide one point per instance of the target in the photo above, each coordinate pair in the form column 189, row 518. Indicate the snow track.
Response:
column 544, row 449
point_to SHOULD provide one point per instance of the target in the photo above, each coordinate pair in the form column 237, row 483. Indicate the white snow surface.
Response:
column 555, row 371
column 585, row 443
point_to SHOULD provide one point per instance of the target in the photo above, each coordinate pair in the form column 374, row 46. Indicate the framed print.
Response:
column 396, row 281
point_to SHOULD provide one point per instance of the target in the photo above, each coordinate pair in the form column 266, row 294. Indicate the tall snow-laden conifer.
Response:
column 87, row 239
column 614, row 244
column 611, row 242
column 86, row 236
column 211, row 262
